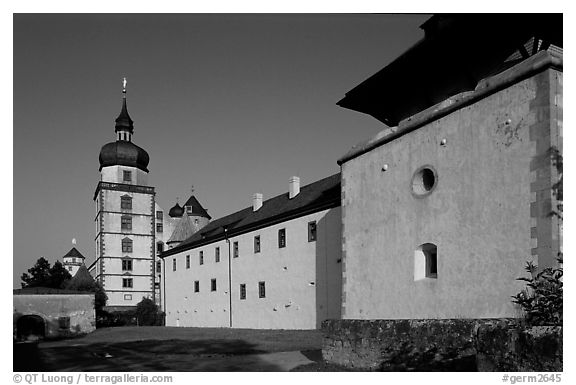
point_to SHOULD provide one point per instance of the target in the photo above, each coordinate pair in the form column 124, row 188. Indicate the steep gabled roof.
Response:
column 184, row 229
column 73, row 253
column 197, row 208
column 316, row 196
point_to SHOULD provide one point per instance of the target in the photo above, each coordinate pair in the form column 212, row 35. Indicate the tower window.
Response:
column 159, row 267
column 257, row 244
column 282, row 238
column 213, row 284
column 159, row 247
column 126, row 202
column 126, row 245
column 127, row 176
column 173, row 264
column 126, row 222
column 159, row 215
column 242, row 291
column 201, row 257
column 196, row 286
column 217, row 254
column 426, row 262
column 236, row 250
column 126, row 265
column 262, row 289
column 159, row 227
column 312, row 231
column 127, row 282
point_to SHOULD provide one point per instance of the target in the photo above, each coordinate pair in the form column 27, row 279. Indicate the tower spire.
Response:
column 124, row 124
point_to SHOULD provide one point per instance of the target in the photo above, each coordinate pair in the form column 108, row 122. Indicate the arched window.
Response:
column 426, row 262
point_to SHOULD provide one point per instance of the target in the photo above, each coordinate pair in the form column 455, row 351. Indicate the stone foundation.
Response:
column 441, row 345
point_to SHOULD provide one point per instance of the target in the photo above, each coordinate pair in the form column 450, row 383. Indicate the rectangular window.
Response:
column 159, row 227
column 201, row 257
column 127, row 282
column 127, row 176
column 173, row 264
column 312, row 231
column 257, row 244
column 159, row 267
column 127, row 297
column 159, row 247
column 126, row 265
column 196, row 286
column 262, row 289
column 213, row 284
column 217, row 254
column 126, row 245
column 126, row 203
column 159, row 215
column 282, row 238
column 126, row 223
column 242, row 291
column 236, row 251
column 187, row 261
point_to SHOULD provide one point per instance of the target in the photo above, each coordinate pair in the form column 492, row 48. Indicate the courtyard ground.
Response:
column 141, row 349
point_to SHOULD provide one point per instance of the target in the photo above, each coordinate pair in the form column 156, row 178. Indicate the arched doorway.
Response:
column 30, row 327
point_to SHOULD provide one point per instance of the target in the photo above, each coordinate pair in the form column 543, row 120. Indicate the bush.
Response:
column 541, row 301
column 148, row 313
column 106, row 319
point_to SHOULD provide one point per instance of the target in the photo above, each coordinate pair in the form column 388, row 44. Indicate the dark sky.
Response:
column 232, row 104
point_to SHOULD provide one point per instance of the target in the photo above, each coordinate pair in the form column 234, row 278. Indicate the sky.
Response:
column 232, row 104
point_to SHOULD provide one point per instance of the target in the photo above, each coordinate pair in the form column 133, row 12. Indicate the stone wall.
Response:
column 441, row 345
column 504, row 349
column 63, row 315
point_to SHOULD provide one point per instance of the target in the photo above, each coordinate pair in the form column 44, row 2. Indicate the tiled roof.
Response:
column 73, row 253
column 313, row 197
column 197, row 208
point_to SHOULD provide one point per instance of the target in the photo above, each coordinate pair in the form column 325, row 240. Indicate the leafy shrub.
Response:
column 541, row 301
column 148, row 313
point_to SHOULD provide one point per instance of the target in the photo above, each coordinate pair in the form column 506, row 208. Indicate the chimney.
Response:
column 294, row 187
column 257, row 201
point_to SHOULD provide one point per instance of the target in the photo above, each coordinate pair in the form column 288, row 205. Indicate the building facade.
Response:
column 275, row 265
column 441, row 212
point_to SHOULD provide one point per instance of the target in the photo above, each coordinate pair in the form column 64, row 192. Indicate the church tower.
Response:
column 125, row 219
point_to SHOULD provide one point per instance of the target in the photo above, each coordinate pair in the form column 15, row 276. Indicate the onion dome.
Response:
column 176, row 211
column 123, row 153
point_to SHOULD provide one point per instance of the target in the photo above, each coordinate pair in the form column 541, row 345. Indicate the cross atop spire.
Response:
column 192, row 189
column 124, row 82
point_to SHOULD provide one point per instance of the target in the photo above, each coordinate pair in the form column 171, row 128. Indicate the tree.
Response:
column 42, row 275
column 148, row 313
column 83, row 281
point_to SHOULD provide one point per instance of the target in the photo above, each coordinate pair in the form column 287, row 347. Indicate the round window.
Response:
column 424, row 181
